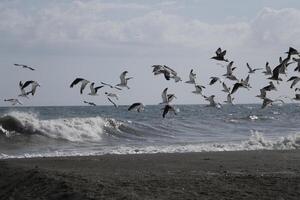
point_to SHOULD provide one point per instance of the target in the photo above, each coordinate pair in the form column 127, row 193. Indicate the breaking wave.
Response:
column 71, row 129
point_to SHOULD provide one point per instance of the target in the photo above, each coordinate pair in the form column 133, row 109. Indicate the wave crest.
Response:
column 71, row 129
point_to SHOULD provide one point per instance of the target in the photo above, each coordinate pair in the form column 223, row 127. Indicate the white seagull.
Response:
column 192, row 78
column 251, row 70
column 295, row 80
column 124, row 80
column 198, row 89
column 94, row 90
column 34, row 85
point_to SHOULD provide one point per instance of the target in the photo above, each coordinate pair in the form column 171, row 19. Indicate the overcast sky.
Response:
column 97, row 40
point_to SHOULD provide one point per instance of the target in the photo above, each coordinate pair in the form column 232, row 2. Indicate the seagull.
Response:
column 295, row 80
column 94, row 90
column 14, row 101
column 23, row 92
column 25, row 66
column 297, row 97
column 124, row 80
column 198, row 89
column 214, row 79
column 246, row 82
column 34, row 85
column 111, row 101
column 229, row 99
column 225, row 88
column 111, row 86
column 112, row 95
column 220, row 55
column 84, row 82
column 268, row 69
column 236, row 86
column 263, row 94
column 137, row 106
column 292, row 51
column 229, row 72
column 212, row 101
column 297, row 60
column 275, row 73
column 251, row 71
column 167, row 71
column 166, row 98
column 176, row 78
column 270, row 87
column 167, row 109
column 90, row 103
column 269, row 102
column 192, row 78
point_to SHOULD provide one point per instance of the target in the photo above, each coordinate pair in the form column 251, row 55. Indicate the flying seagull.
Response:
column 212, row 101
column 292, row 51
column 220, row 55
column 166, row 98
column 275, row 73
column 25, row 66
column 111, row 101
column 192, row 78
column 270, row 87
column 34, row 85
column 214, row 80
column 263, row 94
column 89, row 103
column 113, row 95
column 111, row 86
column 251, row 70
column 94, row 90
column 13, row 101
column 168, row 108
column 225, row 88
column 295, row 80
column 268, row 69
column 83, row 82
column 297, row 60
column 137, row 106
column 297, row 97
column 168, row 72
column 229, row 99
column 124, row 80
column 269, row 102
column 23, row 92
column 198, row 89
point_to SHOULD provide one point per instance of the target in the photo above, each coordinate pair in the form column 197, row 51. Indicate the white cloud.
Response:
column 89, row 23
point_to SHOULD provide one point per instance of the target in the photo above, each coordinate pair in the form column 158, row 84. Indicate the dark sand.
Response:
column 222, row 175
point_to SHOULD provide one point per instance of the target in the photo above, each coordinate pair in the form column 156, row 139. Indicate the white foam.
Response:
column 256, row 142
column 72, row 129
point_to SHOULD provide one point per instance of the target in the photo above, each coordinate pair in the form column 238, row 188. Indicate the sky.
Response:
column 98, row 40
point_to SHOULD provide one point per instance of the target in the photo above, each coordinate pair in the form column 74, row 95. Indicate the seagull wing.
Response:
column 76, row 81
column 164, row 95
column 26, row 84
column 111, row 101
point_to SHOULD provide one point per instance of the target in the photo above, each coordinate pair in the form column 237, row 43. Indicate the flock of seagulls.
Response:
column 274, row 76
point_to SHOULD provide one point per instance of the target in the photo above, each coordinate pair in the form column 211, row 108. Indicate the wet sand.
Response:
column 213, row 175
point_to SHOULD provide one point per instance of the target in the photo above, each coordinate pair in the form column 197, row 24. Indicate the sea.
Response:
column 27, row 132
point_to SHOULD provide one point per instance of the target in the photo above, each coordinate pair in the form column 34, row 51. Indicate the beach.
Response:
column 206, row 175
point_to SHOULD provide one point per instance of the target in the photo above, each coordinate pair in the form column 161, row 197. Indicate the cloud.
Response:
column 93, row 24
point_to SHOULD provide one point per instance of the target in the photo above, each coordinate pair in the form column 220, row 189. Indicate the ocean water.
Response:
column 73, row 131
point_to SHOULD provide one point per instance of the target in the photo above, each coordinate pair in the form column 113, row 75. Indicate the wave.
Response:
column 257, row 141
column 71, row 129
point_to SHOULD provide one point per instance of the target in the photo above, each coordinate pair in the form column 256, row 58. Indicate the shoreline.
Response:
column 204, row 175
